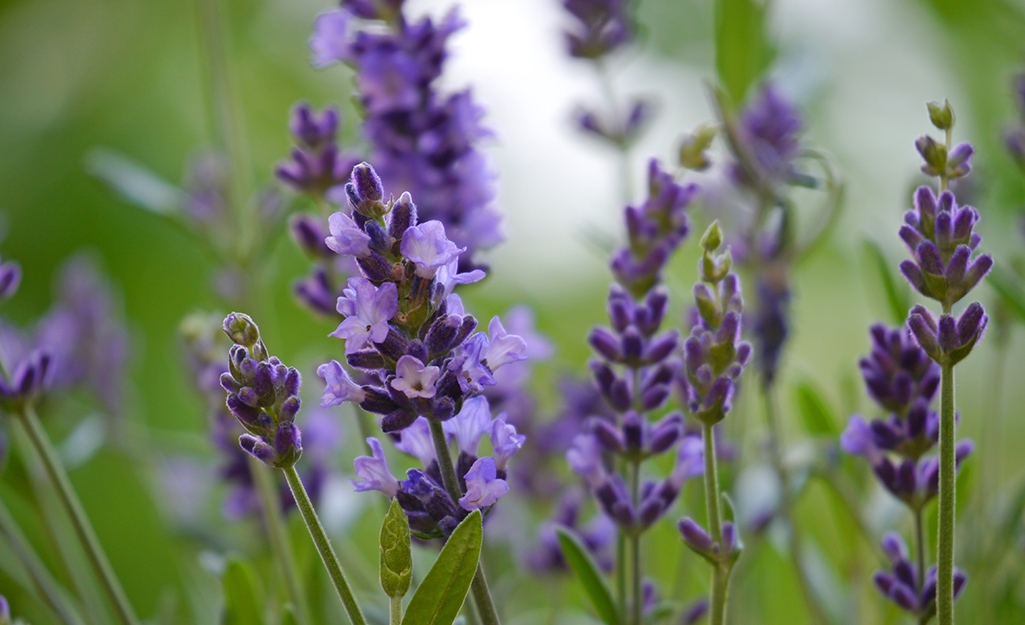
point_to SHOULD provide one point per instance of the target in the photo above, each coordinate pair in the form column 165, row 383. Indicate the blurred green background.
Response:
column 129, row 75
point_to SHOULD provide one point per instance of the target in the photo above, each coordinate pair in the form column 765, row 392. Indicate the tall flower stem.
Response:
column 76, row 513
column 479, row 587
column 635, row 547
column 945, row 547
column 46, row 586
column 721, row 569
column 277, row 534
column 323, row 545
column 609, row 93
column 786, row 506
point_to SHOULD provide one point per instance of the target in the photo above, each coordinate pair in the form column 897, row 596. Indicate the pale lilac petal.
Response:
column 373, row 471
column 483, row 488
column 340, row 387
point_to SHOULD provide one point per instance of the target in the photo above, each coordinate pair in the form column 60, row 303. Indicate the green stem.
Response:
column 479, row 587
column 45, row 585
column 920, row 547
column 720, row 570
column 945, row 557
column 609, row 93
column 277, row 534
column 395, row 611
column 794, row 547
column 79, row 520
column 635, row 546
column 323, row 545
column 621, row 574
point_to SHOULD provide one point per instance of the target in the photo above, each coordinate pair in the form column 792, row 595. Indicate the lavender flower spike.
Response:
column 373, row 471
column 483, row 486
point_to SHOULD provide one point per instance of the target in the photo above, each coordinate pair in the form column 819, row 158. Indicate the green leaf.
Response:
column 240, row 595
column 136, row 184
column 741, row 50
column 587, row 572
column 441, row 594
column 815, row 412
column 898, row 295
column 1010, row 291
column 288, row 615
column 396, row 557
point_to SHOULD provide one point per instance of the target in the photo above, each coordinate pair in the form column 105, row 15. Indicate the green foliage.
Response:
column 816, row 414
column 897, row 294
column 742, row 51
column 590, row 578
column 438, row 598
column 396, row 557
column 241, row 606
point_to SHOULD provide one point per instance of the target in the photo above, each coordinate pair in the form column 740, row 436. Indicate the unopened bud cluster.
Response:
column 902, row 585
column 714, row 356
column 263, row 394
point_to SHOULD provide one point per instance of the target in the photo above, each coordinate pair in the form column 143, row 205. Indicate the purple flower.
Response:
column 346, row 237
column 330, row 40
column 428, row 248
column 857, row 439
column 449, row 277
column 939, row 235
column 504, row 441
column 690, row 460
column 769, row 132
column 414, row 379
column 483, row 487
column 584, row 457
column 601, row 27
column 340, row 387
column 470, row 367
column 416, row 441
column 373, row 471
column 10, row 279
column 503, row 347
column 368, row 310
column 472, row 422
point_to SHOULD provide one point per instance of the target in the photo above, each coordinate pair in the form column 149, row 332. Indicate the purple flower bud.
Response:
column 695, row 536
column 606, row 344
column 373, row 471
column 258, row 449
column 367, row 182
column 10, row 279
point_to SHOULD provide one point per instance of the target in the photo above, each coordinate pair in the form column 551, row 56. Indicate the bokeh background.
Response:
column 129, row 76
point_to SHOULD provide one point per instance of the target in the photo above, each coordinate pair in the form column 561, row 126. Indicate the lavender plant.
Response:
column 939, row 234
column 714, row 358
column 423, row 368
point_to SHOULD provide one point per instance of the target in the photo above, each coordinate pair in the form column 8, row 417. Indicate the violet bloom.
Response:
column 428, row 248
column 413, row 379
column 373, row 471
column 416, row 441
column 768, row 130
column 339, row 386
column 601, row 27
column 472, row 422
column 483, row 486
column 503, row 347
column 505, row 442
column 367, row 309
column 330, row 40
column 470, row 366
column 346, row 237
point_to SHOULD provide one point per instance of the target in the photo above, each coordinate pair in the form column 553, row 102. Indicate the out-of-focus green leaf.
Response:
column 241, row 606
column 741, row 49
column 815, row 412
column 136, row 184
column 824, row 583
column 1009, row 289
column 898, row 296
column 288, row 615
column 587, row 572
column 441, row 594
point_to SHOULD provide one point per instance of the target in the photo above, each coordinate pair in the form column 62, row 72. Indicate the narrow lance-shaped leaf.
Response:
column 396, row 557
column 815, row 412
column 133, row 182
column 241, row 606
column 438, row 598
column 587, row 572
column 741, row 50
column 898, row 298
